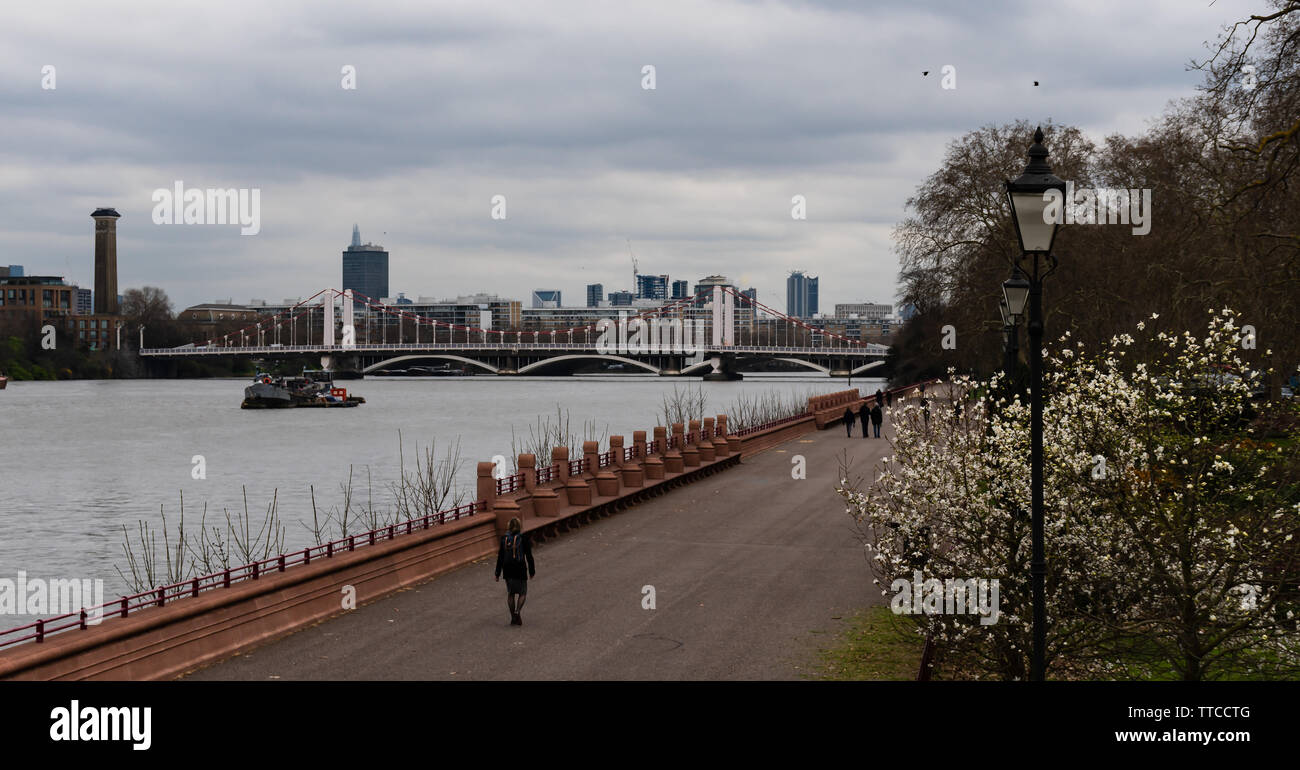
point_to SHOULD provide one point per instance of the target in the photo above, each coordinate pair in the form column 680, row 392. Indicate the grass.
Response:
column 875, row 644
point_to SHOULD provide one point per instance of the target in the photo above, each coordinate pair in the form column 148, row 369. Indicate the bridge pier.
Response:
column 342, row 367
column 724, row 369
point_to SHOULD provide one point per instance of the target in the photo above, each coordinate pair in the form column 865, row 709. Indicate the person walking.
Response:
column 515, row 561
column 848, row 422
column 864, row 416
column 877, row 417
column 880, row 397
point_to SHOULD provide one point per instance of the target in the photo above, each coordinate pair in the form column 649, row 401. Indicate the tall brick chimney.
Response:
column 106, row 261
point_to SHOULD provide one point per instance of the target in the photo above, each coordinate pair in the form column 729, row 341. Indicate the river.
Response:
column 80, row 459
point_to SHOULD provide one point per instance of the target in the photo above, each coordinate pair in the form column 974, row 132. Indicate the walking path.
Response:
column 752, row 571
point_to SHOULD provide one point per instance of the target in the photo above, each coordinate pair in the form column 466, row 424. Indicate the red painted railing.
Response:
column 158, row 597
column 577, row 466
column 606, row 459
column 508, row 484
column 547, row 474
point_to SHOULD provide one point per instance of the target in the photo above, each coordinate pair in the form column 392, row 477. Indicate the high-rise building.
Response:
column 651, row 286
column 365, row 268
column 801, row 295
column 752, row 293
column 105, row 260
column 620, row 299
column 12, row 271
column 547, row 298
column 595, row 294
column 85, row 305
column 681, row 289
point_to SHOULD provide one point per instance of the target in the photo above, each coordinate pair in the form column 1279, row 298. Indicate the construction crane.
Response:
column 631, row 253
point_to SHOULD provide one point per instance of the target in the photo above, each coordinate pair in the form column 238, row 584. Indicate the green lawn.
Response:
column 875, row 644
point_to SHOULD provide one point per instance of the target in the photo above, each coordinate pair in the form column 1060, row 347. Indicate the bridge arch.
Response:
column 871, row 365
column 577, row 356
column 445, row 356
column 808, row 364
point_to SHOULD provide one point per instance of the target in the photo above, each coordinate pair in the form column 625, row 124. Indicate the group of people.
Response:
column 875, row 415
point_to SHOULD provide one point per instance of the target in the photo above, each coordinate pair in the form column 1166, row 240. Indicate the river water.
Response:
column 80, row 459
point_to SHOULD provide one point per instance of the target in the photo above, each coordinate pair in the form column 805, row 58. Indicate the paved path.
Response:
column 752, row 571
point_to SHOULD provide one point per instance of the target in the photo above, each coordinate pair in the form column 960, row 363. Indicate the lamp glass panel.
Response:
column 1017, row 296
column 1035, row 234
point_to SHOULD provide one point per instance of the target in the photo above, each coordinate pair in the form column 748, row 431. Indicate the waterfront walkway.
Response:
column 753, row 572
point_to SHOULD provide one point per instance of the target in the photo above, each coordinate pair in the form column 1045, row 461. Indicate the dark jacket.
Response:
column 877, row 414
column 515, row 570
column 849, row 416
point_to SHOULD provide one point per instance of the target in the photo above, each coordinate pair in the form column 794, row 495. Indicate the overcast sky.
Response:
column 755, row 102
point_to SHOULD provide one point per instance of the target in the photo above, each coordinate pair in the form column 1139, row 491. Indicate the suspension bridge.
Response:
column 715, row 333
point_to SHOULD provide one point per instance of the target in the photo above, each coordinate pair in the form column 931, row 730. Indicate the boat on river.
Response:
column 270, row 392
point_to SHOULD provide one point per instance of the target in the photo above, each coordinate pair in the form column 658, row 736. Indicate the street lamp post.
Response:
column 1028, row 196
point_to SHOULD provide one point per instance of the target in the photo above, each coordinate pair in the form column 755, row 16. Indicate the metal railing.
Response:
column 159, row 596
column 508, row 484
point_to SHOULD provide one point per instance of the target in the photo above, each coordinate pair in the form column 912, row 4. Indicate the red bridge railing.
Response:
column 158, row 597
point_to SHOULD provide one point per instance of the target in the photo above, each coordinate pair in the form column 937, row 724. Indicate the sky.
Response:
column 541, row 103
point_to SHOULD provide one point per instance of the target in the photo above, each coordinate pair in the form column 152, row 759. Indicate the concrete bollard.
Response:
column 691, row 450
column 673, row 462
column 638, row 444
column 560, row 459
column 616, row 447
column 528, row 467
column 653, row 464
column 634, row 475
column 506, row 509
column 578, row 491
column 607, row 482
column 591, row 456
column 705, row 448
column 487, row 485
column 720, row 437
column 661, row 440
column 546, row 502
column 707, row 435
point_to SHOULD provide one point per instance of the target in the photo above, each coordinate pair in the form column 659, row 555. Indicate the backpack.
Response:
column 514, row 547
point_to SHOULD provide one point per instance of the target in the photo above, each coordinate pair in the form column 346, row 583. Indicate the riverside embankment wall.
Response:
column 190, row 631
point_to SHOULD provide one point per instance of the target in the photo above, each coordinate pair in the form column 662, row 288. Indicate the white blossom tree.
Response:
column 1171, row 509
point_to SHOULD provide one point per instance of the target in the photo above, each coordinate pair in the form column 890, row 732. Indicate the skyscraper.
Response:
column 106, row 261
column 365, row 268
column 801, row 295
column 595, row 294
column 681, row 289
column 651, row 286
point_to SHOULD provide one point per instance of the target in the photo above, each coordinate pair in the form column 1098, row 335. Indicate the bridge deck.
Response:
column 749, row 565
